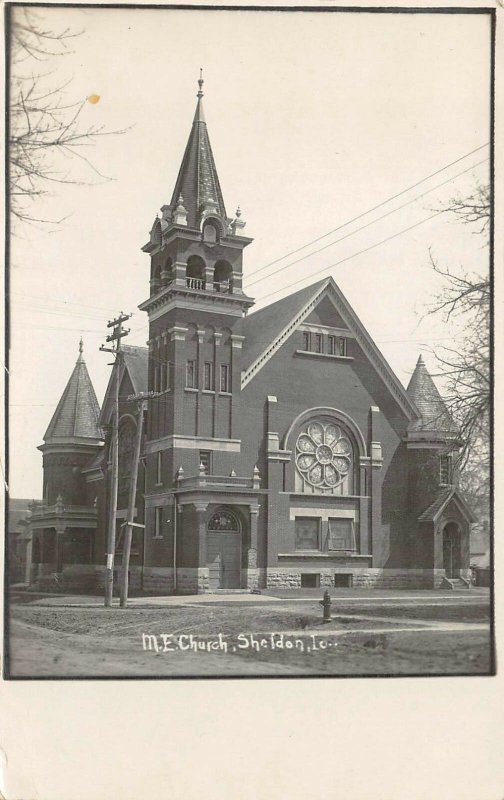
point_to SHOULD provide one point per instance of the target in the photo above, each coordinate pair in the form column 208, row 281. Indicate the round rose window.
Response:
column 323, row 455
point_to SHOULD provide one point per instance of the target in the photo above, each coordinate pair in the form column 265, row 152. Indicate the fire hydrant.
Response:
column 326, row 605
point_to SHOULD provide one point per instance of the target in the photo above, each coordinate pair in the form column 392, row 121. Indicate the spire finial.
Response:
column 81, row 348
column 200, row 83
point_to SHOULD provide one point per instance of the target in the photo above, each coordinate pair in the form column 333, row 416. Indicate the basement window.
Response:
column 343, row 580
column 310, row 580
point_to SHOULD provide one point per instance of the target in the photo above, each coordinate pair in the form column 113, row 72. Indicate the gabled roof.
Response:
column 136, row 360
column 197, row 180
column 268, row 329
column 434, row 511
column 77, row 413
column 423, row 391
column 136, row 364
column 262, row 327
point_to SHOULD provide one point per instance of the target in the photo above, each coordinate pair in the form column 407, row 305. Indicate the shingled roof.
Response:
column 263, row 326
column 422, row 390
column 136, row 361
column 135, row 378
column 434, row 511
column 76, row 415
column 197, row 180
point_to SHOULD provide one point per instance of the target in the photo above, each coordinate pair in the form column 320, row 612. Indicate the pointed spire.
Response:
column 77, row 413
column 197, row 181
column 425, row 395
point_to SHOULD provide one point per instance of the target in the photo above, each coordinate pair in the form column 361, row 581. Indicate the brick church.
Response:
column 280, row 448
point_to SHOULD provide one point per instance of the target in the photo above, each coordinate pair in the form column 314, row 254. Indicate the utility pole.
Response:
column 129, row 524
column 115, row 337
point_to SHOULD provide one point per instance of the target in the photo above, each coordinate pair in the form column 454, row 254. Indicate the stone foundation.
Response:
column 363, row 577
column 158, row 580
column 191, row 580
column 250, row 578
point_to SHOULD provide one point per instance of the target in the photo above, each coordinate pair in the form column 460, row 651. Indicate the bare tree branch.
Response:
column 467, row 369
column 46, row 128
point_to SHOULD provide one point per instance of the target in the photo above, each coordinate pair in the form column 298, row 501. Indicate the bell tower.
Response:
column 196, row 304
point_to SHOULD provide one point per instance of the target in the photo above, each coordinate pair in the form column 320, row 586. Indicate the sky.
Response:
column 314, row 119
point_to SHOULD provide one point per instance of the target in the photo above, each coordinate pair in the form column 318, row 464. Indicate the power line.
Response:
column 368, row 224
column 358, row 253
column 67, row 302
column 374, row 208
column 58, row 313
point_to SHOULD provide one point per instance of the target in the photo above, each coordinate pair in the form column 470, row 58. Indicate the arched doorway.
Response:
column 224, row 550
column 451, row 550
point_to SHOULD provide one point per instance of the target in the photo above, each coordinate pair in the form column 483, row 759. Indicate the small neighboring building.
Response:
column 18, row 539
column 64, row 523
column 279, row 449
column 480, row 568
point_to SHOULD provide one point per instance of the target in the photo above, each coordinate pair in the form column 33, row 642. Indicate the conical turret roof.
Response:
column 424, row 393
column 76, row 417
column 197, row 181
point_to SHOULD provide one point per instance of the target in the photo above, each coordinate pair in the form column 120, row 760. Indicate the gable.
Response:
column 318, row 300
column 447, row 500
column 134, row 379
column 325, row 314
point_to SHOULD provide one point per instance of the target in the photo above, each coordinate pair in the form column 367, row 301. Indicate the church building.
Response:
column 279, row 448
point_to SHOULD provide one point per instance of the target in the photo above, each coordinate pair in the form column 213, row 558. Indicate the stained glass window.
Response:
column 223, row 521
column 323, row 455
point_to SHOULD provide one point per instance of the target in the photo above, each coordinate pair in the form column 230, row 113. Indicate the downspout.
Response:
column 174, row 543
column 144, row 540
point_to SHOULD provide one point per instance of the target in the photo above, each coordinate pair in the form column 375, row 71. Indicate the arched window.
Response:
column 222, row 276
column 324, row 458
column 166, row 272
column 223, row 520
column 155, row 281
column 126, row 447
column 195, row 272
column 209, row 233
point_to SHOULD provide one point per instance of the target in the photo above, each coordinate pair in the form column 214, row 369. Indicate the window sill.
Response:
column 158, row 485
column 226, row 394
column 190, row 389
column 319, row 554
column 323, row 355
column 207, row 391
column 156, row 538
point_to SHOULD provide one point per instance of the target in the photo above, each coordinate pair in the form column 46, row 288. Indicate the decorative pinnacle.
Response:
column 238, row 212
column 200, row 83
column 81, row 348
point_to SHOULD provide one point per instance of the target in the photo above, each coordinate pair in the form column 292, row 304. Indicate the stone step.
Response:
column 455, row 583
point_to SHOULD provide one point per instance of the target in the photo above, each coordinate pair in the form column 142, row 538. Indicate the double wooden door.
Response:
column 224, row 559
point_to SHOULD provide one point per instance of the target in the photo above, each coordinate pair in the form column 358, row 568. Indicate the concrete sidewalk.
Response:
column 339, row 598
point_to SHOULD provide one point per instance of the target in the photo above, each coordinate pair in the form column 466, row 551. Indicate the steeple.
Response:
column 435, row 416
column 194, row 246
column 75, row 420
column 197, row 182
